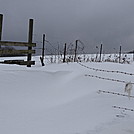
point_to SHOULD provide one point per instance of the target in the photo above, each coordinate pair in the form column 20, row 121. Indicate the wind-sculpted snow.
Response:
column 59, row 99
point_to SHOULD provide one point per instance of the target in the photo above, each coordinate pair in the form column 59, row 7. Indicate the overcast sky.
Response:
column 92, row 21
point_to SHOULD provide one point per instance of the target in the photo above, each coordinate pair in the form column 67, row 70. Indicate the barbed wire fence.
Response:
column 109, row 79
column 114, row 80
column 123, row 108
column 82, row 56
column 53, row 54
column 114, row 93
column 80, row 49
column 70, row 52
column 108, row 71
column 102, row 70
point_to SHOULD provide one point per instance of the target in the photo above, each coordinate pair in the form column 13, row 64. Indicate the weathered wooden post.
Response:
column 65, row 47
column 1, row 22
column 30, row 39
column 75, row 51
column 15, row 52
column 100, row 52
column 133, row 55
column 43, row 51
column 120, row 55
column 58, row 53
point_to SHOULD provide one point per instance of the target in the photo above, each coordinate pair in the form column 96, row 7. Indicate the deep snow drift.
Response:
column 60, row 99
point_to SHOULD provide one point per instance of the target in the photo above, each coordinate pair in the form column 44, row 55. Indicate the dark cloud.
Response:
column 92, row 21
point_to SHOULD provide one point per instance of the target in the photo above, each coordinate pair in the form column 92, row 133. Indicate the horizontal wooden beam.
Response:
column 12, row 52
column 10, row 43
column 19, row 62
column 27, row 63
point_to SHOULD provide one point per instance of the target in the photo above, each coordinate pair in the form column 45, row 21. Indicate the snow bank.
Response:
column 60, row 99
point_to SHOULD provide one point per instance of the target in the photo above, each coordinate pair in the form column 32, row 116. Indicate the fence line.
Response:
column 115, row 80
column 102, row 70
column 95, row 76
column 102, row 91
column 123, row 108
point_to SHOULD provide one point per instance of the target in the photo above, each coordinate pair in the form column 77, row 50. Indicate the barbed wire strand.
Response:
column 54, row 47
column 132, row 110
column 102, row 70
column 95, row 76
column 108, row 92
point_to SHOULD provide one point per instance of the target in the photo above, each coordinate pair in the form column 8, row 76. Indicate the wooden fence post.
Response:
column 120, row 55
column 43, row 51
column 28, row 44
column 65, row 47
column 30, row 38
column 75, row 54
column 133, row 55
column 100, row 52
column 1, row 22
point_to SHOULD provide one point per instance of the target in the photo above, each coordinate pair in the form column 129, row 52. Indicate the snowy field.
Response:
column 60, row 99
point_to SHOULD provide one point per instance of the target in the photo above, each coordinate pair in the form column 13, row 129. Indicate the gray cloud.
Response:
column 92, row 21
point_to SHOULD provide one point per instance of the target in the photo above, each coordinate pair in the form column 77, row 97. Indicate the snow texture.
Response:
column 59, row 99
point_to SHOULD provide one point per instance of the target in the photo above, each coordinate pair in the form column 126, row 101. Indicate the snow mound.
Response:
column 60, row 99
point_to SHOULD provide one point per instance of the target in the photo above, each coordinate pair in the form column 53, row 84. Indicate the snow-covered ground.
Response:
column 60, row 99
